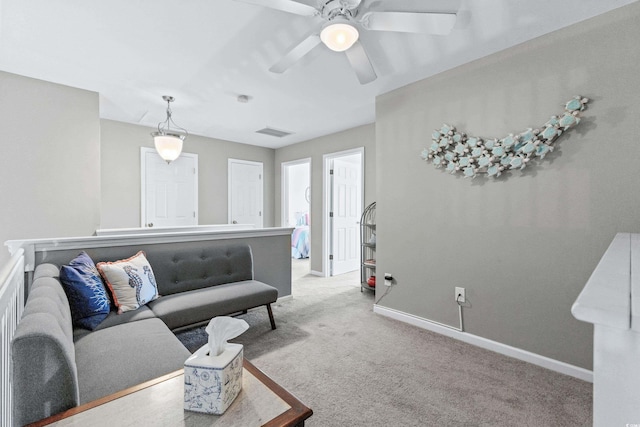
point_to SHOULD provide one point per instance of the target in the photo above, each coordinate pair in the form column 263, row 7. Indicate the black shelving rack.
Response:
column 368, row 246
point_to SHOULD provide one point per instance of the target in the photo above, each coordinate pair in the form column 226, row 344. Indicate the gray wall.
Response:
column 362, row 136
column 50, row 163
column 524, row 245
column 120, row 149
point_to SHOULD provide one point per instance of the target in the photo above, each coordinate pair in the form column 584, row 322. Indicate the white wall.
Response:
column 50, row 163
column 523, row 245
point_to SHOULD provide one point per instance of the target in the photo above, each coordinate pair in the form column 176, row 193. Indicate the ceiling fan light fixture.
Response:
column 339, row 35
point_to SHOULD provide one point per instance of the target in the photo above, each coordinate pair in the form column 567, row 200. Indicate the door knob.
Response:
column 150, row 224
column 234, row 222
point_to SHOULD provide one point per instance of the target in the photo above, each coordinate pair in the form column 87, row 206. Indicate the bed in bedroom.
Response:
column 300, row 238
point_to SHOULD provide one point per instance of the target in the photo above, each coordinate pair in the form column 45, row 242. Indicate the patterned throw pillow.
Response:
column 130, row 281
column 87, row 296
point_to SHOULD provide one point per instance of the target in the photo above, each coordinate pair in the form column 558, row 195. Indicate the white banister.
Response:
column 611, row 301
column 268, row 245
column 605, row 298
column 176, row 229
column 33, row 246
column 11, row 306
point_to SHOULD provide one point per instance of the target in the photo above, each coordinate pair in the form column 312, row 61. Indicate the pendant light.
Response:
column 168, row 141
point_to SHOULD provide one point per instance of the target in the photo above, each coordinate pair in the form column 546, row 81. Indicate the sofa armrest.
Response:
column 45, row 379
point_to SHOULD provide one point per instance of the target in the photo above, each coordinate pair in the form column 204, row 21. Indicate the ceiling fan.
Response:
column 340, row 30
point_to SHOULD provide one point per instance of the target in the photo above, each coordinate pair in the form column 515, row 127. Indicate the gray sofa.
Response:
column 56, row 366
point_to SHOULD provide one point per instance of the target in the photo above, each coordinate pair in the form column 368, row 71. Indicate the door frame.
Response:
column 326, row 200
column 143, row 184
column 284, row 186
column 245, row 162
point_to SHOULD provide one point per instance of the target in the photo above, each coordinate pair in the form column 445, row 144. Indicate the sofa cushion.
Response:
column 119, row 357
column 131, row 281
column 87, row 296
column 114, row 319
column 186, row 308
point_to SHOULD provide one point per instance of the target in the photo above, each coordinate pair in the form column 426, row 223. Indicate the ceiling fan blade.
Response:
column 410, row 22
column 286, row 6
column 295, row 54
column 360, row 63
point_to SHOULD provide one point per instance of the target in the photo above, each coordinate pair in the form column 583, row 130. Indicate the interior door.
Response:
column 345, row 214
column 245, row 192
column 169, row 191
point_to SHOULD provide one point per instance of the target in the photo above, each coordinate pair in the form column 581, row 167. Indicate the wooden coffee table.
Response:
column 261, row 402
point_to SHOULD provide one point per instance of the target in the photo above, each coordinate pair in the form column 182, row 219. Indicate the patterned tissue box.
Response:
column 211, row 384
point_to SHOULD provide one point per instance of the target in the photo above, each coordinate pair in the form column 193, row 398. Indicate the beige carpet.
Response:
column 356, row 368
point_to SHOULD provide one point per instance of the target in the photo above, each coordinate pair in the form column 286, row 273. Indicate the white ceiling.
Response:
column 207, row 52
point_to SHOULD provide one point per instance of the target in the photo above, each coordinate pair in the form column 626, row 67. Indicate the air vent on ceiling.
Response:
column 274, row 132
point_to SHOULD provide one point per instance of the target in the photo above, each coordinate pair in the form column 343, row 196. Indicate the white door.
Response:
column 245, row 192
column 169, row 191
column 346, row 208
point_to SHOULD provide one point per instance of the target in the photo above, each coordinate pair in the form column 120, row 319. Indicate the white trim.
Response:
column 317, row 273
column 143, row 184
column 32, row 246
column 326, row 184
column 244, row 162
column 9, row 270
column 12, row 290
column 284, row 298
column 326, row 202
column 179, row 228
column 607, row 298
column 507, row 350
column 284, row 180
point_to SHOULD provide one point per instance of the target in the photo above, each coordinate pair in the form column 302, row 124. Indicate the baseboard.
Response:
column 285, row 298
column 507, row 350
column 317, row 273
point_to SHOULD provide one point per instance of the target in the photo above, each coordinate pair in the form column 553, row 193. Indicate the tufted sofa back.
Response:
column 186, row 270
column 179, row 267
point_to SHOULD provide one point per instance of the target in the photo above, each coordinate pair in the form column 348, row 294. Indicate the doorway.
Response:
column 296, row 206
column 245, row 192
column 169, row 192
column 343, row 201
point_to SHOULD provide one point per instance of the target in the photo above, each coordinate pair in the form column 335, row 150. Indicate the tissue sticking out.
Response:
column 221, row 329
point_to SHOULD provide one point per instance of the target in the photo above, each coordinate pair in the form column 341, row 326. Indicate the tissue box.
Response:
column 212, row 383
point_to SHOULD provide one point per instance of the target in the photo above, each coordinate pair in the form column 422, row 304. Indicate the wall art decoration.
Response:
column 470, row 155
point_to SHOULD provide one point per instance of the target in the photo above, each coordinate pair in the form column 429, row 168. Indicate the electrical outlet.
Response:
column 460, row 295
column 388, row 279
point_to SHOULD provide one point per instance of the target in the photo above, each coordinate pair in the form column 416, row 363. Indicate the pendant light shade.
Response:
column 339, row 35
column 168, row 146
column 168, row 141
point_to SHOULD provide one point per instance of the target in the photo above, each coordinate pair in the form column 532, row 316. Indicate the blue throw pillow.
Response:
column 87, row 295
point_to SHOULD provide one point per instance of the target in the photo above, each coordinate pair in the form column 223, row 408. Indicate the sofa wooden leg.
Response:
column 273, row 322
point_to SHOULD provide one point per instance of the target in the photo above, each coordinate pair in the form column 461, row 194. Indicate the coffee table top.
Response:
column 261, row 402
